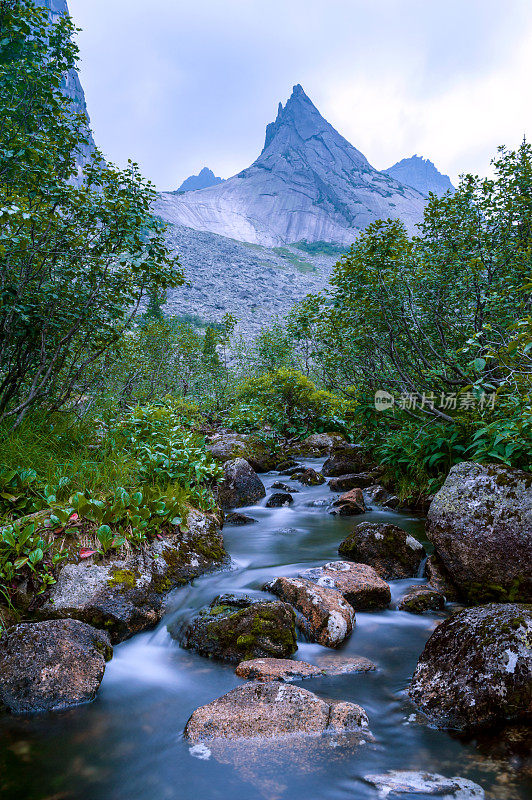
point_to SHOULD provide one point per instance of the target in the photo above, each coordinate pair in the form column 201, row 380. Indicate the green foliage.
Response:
column 22, row 554
column 78, row 252
column 289, row 403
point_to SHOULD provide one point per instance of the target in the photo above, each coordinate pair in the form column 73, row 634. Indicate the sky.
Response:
column 180, row 85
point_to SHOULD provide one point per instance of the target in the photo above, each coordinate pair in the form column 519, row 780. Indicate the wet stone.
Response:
column 390, row 550
column 360, row 584
column 279, row 499
column 420, row 599
column 421, row 784
column 284, row 487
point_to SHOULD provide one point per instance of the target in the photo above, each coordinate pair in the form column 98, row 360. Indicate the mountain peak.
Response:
column 205, row 178
column 421, row 174
column 298, row 118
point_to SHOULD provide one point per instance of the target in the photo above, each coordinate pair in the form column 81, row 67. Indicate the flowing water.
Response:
column 128, row 744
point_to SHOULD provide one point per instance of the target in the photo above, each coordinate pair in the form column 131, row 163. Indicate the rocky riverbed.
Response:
column 215, row 703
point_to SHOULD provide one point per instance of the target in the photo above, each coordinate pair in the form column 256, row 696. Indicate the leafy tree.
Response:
column 77, row 253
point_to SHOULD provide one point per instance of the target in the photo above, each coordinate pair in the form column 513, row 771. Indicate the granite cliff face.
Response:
column 420, row 174
column 205, row 178
column 71, row 82
column 308, row 184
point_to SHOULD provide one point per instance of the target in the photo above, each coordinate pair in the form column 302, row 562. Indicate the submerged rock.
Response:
column 338, row 664
column 419, row 599
column 279, row 499
column 228, row 446
column 476, row 668
column 269, row 709
column 390, row 550
column 361, row 586
column 125, row 595
column 240, row 628
column 480, row 523
column 398, row 782
column 49, row 666
column 277, row 669
column 241, row 486
column 327, row 618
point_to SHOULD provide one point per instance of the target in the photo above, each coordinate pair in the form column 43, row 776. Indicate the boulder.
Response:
column 326, row 617
column 480, row 523
column 407, row 782
column 240, row 486
column 350, row 503
column 269, row 709
column 393, row 502
column 419, row 599
column 319, row 444
column 356, row 480
column 286, row 466
column 476, row 668
column 279, row 499
column 285, row 487
column 377, row 493
column 439, row 579
column 277, row 669
column 236, row 629
column 309, row 477
column 51, row 665
column 238, row 519
column 390, row 550
column 359, row 584
column 347, row 461
column 228, row 446
column 124, row 594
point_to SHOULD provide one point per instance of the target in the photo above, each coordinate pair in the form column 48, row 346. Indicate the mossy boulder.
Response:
column 348, row 460
column 419, row 599
column 480, row 523
column 391, row 551
column 319, row 444
column 476, row 668
column 240, row 486
column 309, row 477
column 125, row 595
column 236, row 629
column 52, row 665
column 226, row 446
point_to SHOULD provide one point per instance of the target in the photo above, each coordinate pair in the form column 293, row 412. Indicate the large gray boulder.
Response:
column 270, row 709
column 325, row 617
column 125, row 594
column 49, row 666
column 480, row 523
column 476, row 668
column 240, row 486
column 391, row 551
column 226, row 446
column 240, row 628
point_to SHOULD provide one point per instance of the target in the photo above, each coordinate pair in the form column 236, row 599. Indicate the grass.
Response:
column 295, row 260
column 321, row 248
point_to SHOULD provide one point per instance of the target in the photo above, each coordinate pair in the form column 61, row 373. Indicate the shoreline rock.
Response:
column 391, row 551
column 52, row 665
column 476, row 668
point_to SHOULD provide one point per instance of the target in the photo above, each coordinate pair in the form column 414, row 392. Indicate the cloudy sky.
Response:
column 178, row 85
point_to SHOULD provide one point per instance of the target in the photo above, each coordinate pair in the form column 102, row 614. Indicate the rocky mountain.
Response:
column 308, row 184
column 203, row 180
column 421, row 174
